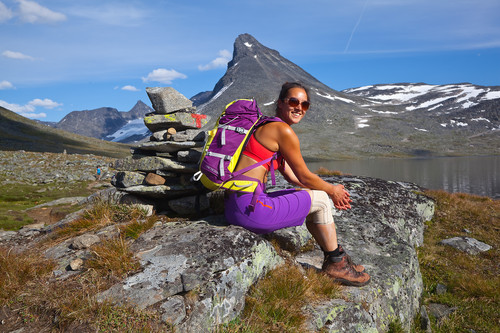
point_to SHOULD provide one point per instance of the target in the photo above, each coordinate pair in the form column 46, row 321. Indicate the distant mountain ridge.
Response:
column 20, row 133
column 367, row 121
column 452, row 105
column 103, row 123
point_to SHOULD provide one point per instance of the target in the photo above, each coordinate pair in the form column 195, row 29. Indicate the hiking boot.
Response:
column 359, row 268
column 343, row 272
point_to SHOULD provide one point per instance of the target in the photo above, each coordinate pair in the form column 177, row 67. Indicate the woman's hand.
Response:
column 340, row 197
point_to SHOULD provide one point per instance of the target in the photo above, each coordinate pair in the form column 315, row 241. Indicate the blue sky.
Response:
column 58, row 56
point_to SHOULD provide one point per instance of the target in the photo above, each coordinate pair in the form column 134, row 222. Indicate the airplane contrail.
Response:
column 355, row 27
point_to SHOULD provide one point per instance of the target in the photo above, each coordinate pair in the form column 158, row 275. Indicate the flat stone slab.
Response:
column 190, row 135
column 62, row 201
column 189, row 156
column 179, row 120
column 167, row 99
column 153, row 163
column 162, row 191
column 467, row 244
column 170, row 146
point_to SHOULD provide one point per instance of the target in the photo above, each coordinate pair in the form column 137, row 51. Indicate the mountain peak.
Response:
column 246, row 45
column 258, row 72
column 139, row 104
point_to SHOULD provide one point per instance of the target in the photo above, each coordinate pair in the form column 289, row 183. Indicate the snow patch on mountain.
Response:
column 221, row 91
column 437, row 98
column 333, row 98
column 134, row 127
column 467, row 95
column 384, row 112
column 362, row 122
column 491, row 95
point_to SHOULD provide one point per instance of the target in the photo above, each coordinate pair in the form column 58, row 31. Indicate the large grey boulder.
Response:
column 381, row 232
column 215, row 265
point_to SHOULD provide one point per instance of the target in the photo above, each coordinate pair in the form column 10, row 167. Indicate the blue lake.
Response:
column 471, row 174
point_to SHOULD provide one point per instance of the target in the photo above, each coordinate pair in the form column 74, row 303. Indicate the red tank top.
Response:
column 258, row 152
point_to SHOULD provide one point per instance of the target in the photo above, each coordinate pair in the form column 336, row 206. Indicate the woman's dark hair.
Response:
column 286, row 87
column 289, row 85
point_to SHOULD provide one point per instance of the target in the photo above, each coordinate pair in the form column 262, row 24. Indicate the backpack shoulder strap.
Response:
column 266, row 119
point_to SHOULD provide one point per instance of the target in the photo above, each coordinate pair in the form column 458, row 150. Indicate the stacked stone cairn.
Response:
column 159, row 171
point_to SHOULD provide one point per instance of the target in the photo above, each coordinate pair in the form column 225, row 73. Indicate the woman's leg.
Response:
column 337, row 263
column 324, row 234
column 320, row 222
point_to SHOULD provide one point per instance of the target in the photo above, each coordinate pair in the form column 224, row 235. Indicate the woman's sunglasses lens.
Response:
column 305, row 105
column 293, row 102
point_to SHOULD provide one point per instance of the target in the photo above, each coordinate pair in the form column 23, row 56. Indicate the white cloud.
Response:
column 32, row 115
column 28, row 110
column 5, row 13
column 44, row 103
column 32, row 12
column 5, row 85
column 16, row 55
column 111, row 14
column 130, row 88
column 17, row 108
column 221, row 61
column 163, row 75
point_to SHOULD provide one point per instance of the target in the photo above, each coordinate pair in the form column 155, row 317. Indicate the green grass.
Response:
column 16, row 198
column 275, row 303
column 472, row 281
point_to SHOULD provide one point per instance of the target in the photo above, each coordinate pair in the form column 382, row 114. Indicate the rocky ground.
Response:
column 43, row 168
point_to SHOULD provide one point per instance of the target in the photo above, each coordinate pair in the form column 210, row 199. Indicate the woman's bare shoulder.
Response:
column 272, row 135
column 278, row 126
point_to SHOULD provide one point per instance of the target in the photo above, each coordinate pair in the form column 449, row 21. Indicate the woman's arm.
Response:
column 299, row 174
column 290, row 177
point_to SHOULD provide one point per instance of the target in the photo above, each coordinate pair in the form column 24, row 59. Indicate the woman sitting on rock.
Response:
column 288, row 208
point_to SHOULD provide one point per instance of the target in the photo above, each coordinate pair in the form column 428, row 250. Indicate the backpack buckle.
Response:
column 240, row 130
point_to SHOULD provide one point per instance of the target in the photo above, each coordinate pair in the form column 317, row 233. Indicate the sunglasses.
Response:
column 293, row 102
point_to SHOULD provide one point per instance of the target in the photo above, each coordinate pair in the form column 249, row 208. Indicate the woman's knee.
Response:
column 320, row 212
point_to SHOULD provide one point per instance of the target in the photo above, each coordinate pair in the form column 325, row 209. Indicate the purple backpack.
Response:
column 224, row 145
